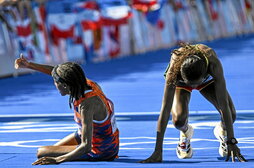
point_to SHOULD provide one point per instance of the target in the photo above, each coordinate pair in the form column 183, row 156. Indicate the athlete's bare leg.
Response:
column 68, row 140
column 209, row 93
column 65, row 145
column 54, row 151
column 180, row 109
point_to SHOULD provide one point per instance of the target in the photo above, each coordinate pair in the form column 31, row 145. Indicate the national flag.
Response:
column 114, row 12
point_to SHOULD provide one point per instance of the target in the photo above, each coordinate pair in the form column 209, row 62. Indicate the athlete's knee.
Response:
column 41, row 152
column 180, row 122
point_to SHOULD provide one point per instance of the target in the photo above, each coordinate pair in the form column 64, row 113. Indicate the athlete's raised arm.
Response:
column 22, row 62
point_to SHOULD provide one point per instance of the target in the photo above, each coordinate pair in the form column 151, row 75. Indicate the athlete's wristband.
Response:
column 232, row 141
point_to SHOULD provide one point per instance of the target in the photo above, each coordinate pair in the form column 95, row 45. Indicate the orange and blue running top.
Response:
column 105, row 140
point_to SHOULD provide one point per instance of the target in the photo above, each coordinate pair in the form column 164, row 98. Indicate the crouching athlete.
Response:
column 195, row 67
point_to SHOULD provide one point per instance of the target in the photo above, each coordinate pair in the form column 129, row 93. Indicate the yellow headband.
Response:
column 206, row 60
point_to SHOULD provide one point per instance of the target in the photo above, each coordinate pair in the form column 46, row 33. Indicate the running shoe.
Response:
column 221, row 135
column 184, row 149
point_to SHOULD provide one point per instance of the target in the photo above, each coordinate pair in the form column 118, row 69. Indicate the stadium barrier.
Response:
column 86, row 31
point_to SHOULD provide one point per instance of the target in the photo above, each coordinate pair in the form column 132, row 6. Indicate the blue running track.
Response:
column 33, row 114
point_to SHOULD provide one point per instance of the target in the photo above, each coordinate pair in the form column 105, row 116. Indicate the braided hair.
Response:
column 190, row 64
column 71, row 74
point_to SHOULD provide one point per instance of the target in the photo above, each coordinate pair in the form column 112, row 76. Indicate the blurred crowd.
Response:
column 55, row 31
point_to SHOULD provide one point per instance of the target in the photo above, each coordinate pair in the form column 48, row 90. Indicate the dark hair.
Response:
column 72, row 75
column 192, row 68
column 190, row 62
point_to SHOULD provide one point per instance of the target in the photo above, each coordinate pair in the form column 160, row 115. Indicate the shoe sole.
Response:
column 185, row 157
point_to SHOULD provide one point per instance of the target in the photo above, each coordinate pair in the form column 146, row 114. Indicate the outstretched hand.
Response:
column 21, row 62
column 45, row 161
column 154, row 158
column 234, row 151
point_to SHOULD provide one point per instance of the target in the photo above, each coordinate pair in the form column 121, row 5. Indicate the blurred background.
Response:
column 92, row 31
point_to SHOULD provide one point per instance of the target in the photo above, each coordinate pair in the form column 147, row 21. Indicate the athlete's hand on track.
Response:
column 45, row 161
column 21, row 62
column 154, row 158
column 234, row 151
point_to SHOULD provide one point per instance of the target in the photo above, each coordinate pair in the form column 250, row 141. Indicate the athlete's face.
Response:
column 63, row 88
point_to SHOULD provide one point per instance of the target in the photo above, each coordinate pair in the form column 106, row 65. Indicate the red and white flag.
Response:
column 42, row 32
column 144, row 5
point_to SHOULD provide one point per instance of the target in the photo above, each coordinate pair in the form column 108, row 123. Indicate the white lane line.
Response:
column 117, row 113
column 173, row 149
column 132, row 145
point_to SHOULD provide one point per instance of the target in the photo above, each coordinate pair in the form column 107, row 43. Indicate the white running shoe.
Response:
column 184, row 149
column 221, row 135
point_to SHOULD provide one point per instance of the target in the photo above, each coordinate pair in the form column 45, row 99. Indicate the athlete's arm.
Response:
column 216, row 71
column 169, row 90
column 86, row 109
column 23, row 63
column 167, row 102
